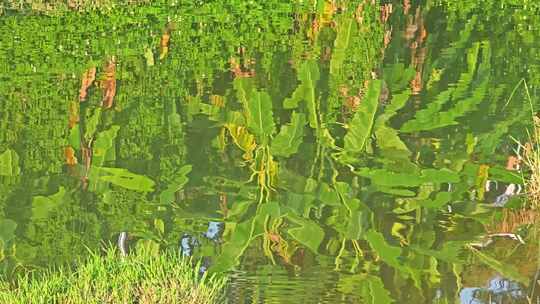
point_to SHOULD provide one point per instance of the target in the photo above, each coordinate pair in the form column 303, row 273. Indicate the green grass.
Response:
column 138, row 278
column 530, row 151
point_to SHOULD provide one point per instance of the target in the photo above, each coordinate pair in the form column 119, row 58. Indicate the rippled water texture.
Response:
column 317, row 151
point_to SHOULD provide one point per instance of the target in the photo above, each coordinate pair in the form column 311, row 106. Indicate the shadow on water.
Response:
column 315, row 151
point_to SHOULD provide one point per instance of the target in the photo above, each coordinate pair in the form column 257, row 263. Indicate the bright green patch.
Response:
column 138, row 278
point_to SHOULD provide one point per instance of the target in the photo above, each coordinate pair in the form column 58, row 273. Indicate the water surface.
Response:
column 318, row 152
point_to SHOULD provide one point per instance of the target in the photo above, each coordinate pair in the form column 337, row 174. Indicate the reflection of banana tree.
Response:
column 283, row 227
column 254, row 133
column 270, row 217
column 307, row 98
column 117, row 185
column 155, row 235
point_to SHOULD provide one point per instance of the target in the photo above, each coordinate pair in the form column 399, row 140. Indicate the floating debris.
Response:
column 489, row 239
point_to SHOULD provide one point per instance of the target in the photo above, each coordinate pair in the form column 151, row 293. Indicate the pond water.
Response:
column 315, row 151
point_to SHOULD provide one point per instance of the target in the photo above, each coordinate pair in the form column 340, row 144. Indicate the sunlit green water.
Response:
column 289, row 145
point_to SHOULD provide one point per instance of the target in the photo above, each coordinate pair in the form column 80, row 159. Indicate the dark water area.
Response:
column 314, row 151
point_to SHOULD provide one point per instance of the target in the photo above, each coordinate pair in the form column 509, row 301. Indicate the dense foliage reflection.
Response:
column 363, row 151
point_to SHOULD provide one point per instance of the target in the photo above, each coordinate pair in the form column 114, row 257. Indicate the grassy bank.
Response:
column 138, row 278
column 532, row 163
column 530, row 156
